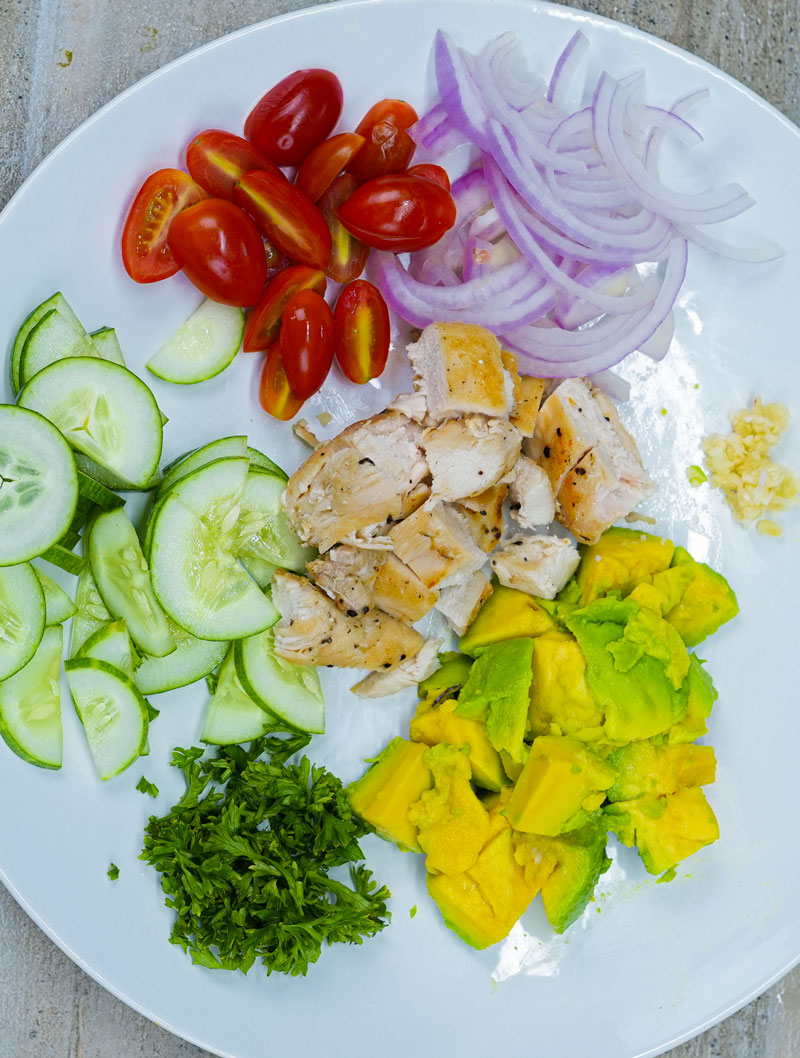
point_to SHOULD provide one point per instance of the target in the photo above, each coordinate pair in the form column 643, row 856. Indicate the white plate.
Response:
column 660, row 962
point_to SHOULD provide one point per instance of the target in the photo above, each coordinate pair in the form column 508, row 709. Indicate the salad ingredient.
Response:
column 56, row 302
column 435, row 723
column 222, row 448
column 406, row 674
column 52, row 338
column 261, row 836
column 363, row 331
column 388, row 147
column 232, row 714
column 264, row 322
column 541, row 565
column 437, row 544
column 398, row 213
column 113, row 872
column 107, row 345
column 295, row 115
column 287, row 217
column 58, row 607
column 348, row 254
column 360, row 580
column 202, row 347
column 258, row 461
column 220, row 250
column 533, row 503
column 383, row 795
column 307, row 342
column 30, row 705
column 290, row 692
column 146, row 254
column 217, row 160
column 145, row 787
column 191, row 660
column 705, row 600
column 431, row 172
column 22, row 617
column 262, row 531
column 324, row 163
column 111, row 643
column 485, row 515
column 696, row 476
column 468, row 455
column 91, row 612
column 460, row 601
column 274, row 391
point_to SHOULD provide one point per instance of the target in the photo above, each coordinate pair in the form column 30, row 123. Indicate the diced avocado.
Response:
column 665, row 829
column 498, row 689
column 506, row 614
column 561, row 702
column 451, row 674
column 702, row 695
column 562, row 782
column 438, row 723
column 513, row 768
column 621, row 559
column 708, row 601
column 384, row 794
column 647, row 770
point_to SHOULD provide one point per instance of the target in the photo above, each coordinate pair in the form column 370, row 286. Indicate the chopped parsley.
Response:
column 113, row 872
column 143, row 786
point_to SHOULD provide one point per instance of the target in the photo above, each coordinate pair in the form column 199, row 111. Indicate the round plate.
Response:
column 648, row 965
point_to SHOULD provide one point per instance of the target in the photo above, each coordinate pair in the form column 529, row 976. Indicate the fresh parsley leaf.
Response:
column 152, row 712
column 143, row 786
column 113, row 872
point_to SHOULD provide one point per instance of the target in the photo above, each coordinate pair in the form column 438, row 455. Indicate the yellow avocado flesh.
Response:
column 436, row 724
column 646, row 770
column 621, row 559
column 384, row 794
column 665, row 829
column 708, row 601
column 561, row 701
column 506, row 614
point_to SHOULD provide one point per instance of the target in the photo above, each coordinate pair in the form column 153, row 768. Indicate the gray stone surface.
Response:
column 59, row 61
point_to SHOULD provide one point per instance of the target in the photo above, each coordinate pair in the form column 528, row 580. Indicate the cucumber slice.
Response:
column 58, row 302
column 224, row 448
column 107, row 345
column 70, row 539
column 232, row 716
column 263, row 529
column 30, row 705
column 291, row 692
column 58, row 607
column 104, row 411
column 191, row 660
column 93, row 492
column 261, row 462
column 91, row 611
column 262, row 572
column 111, row 644
column 123, row 580
column 112, row 711
column 111, row 482
column 202, row 347
column 22, row 617
column 63, row 558
column 52, row 338
column 38, row 485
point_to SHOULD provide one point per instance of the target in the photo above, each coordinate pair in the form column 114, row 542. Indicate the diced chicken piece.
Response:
column 540, row 565
column 366, row 477
column 526, row 408
column 532, row 501
column 407, row 674
column 314, row 631
column 399, row 591
column 303, row 431
column 347, row 574
column 436, row 542
column 412, row 405
column 459, row 369
column 484, row 513
column 469, row 455
column 461, row 601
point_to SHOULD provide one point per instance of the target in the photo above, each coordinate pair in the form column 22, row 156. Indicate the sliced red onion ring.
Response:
column 460, row 97
column 566, row 68
column 617, row 388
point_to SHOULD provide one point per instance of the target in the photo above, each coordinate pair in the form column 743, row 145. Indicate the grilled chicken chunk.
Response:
column 400, row 592
column 532, row 501
column 360, row 580
column 469, row 455
column 412, row 405
column 461, row 601
column 407, row 674
column 436, row 542
column 526, row 406
column 540, row 565
column 484, row 513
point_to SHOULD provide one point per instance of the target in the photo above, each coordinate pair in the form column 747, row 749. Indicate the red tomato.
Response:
column 295, row 115
column 145, row 251
column 264, row 323
column 325, row 162
column 307, row 342
column 274, row 390
column 398, row 213
column 389, row 148
column 287, row 217
column 348, row 254
column 276, row 261
column 217, row 159
column 362, row 331
column 430, row 172
column 221, row 251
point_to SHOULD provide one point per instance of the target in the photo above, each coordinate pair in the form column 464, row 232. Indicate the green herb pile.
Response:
column 244, row 858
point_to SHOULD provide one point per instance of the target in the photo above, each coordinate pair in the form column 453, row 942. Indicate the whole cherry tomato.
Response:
column 221, row 251
column 264, row 323
column 295, row 115
column 399, row 213
column 348, row 254
column 218, row 159
column 325, row 162
column 389, row 148
column 307, row 342
column 363, row 332
column 287, row 217
column 145, row 251
column 274, row 390
column 430, row 172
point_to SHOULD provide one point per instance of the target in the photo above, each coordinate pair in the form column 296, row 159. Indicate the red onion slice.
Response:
column 566, row 68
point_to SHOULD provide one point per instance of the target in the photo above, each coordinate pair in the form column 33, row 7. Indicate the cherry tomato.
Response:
column 389, row 148
column 295, row 115
column 398, row 213
column 145, row 251
column 287, row 217
column 274, row 390
column 221, row 251
column 276, row 261
column 307, row 342
column 363, row 332
column 430, row 172
column 325, row 162
column 218, row 159
column 348, row 254
column 264, row 324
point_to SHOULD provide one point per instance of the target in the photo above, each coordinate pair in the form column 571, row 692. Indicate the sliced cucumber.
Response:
column 292, row 692
column 38, row 485
column 190, row 661
column 70, row 539
column 261, row 462
column 110, row 481
column 22, row 617
column 58, row 302
column 93, row 492
column 91, row 611
column 224, row 448
column 30, row 705
column 112, row 711
column 107, row 345
column 123, row 580
column 111, row 644
column 104, row 411
column 232, row 715
column 261, row 571
column 53, row 338
column 202, row 347
column 58, row 607
column 263, row 529
column 64, row 558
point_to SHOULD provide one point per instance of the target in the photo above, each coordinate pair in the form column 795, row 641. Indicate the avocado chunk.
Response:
column 560, row 699
column 708, row 601
column 648, row 770
column 563, row 781
column 450, row 676
column 498, row 689
column 506, row 614
column 702, row 695
column 384, row 794
column 438, row 723
column 665, row 829
column 621, row 559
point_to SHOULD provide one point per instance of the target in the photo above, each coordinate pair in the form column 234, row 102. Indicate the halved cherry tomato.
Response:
column 398, row 213
column 274, row 390
column 430, row 172
column 362, row 331
column 348, row 254
column 307, row 342
column 145, row 251
column 295, row 115
column 389, row 148
column 221, row 251
column 276, row 261
column 218, row 159
column 325, row 162
column 264, row 324
column 287, row 217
